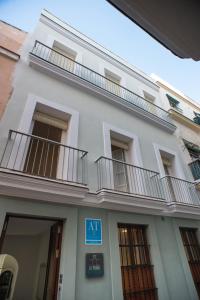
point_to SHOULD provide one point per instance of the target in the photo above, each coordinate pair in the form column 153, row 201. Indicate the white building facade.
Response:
column 97, row 200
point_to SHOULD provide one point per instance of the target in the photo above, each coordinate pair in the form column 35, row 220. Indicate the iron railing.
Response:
column 195, row 168
column 123, row 177
column 41, row 157
column 180, row 191
column 69, row 65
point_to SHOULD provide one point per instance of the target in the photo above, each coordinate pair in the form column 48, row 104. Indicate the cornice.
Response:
column 8, row 53
column 183, row 119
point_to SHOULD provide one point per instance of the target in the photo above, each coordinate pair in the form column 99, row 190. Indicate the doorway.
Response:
column 36, row 245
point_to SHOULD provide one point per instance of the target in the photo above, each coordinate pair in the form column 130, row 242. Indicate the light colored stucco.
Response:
column 92, row 114
column 11, row 40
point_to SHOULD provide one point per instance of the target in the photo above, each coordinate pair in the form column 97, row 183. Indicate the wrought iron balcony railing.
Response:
column 180, row 191
column 67, row 64
column 41, row 157
column 195, row 168
column 122, row 177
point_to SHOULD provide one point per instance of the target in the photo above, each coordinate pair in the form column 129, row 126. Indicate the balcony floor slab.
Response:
column 42, row 189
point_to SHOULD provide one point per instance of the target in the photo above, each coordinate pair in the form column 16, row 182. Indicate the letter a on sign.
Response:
column 93, row 231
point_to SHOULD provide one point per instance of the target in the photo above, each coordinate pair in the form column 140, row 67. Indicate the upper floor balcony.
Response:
column 181, row 195
column 53, row 62
column 129, row 184
column 38, row 166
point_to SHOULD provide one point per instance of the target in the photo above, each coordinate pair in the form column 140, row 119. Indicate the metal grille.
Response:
column 136, row 268
column 37, row 156
column 195, row 168
column 192, row 250
column 123, row 177
column 65, row 63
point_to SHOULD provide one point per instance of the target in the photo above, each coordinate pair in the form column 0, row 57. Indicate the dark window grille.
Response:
column 192, row 249
column 137, row 271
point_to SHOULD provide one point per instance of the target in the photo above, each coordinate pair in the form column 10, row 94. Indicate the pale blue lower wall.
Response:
column 172, row 273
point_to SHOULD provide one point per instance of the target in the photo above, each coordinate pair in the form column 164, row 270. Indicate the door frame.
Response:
column 57, row 220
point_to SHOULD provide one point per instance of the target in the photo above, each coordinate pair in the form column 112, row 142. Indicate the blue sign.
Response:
column 93, row 231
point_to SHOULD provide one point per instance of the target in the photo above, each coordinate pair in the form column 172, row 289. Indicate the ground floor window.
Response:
column 192, row 249
column 136, row 268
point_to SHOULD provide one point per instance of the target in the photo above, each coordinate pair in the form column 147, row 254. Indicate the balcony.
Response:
column 195, row 168
column 123, row 183
column 52, row 62
column 42, row 168
column 181, row 195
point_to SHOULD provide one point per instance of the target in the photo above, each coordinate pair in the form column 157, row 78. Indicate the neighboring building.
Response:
column 186, row 115
column 11, row 40
column 84, row 143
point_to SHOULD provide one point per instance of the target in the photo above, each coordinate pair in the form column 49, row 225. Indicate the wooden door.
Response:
column 42, row 155
column 136, row 269
column 192, row 250
column 52, row 276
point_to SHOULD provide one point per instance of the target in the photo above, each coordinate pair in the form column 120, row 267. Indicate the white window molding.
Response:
column 33, row 101
column 69, row 136
column 103, row 68
column 178, row 166
column 134, row 152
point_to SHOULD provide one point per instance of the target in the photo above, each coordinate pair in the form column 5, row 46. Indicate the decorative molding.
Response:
column 135, row 151
column 179, row 169
column 183, row 210
column 140, row 202
column 8, row 53
column 58, row 73
column 37, row 188
column 71, row 139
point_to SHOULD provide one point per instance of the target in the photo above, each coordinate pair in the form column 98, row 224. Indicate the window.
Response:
column 63, row 57
column 150, row 99
column 42, row 156
column 119, row 166
column 196, row 119
column 43, row 147
column 137, row 271
column 192, row 250
column 167, row 165
column 174, row 103
column 112, row 82
column 193, row 149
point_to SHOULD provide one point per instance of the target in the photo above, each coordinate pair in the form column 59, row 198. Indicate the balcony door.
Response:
column 119, row 169
column 43, row 152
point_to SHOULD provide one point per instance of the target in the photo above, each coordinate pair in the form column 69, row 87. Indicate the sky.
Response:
column 103, row 23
